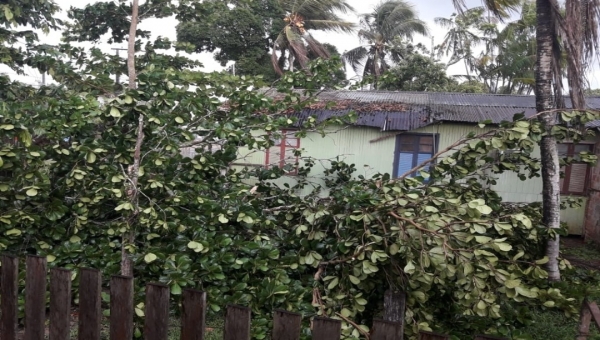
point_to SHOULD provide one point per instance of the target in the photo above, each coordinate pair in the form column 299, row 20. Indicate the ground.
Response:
column 580, row 253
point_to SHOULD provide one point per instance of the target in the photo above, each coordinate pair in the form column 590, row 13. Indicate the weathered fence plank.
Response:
column 9, row 288
column 90, row 313
column 237, row 323
column 60, row 304
column 326, row 329
column 593, row 307
column 432, row 336
column 35, row 297
column 286, row 325
column 193, row 314
column 121, row 308
column 394, row 306
column 387, row 330
column 156, row 325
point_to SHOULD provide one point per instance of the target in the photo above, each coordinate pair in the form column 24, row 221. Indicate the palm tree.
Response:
column 302, row 16
column 574, row 32
column 462, row 37
column 390, row 22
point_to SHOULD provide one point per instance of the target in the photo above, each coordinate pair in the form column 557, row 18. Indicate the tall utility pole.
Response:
column 118, row 75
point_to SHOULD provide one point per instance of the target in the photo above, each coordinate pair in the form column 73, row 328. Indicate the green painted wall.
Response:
column 372, row 151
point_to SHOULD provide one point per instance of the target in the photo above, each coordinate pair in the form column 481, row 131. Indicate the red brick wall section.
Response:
column 591, row 228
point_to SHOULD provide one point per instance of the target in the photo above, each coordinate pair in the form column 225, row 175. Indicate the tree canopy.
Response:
column 437, row 232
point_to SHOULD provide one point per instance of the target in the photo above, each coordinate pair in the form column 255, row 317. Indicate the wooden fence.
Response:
column 286, row 325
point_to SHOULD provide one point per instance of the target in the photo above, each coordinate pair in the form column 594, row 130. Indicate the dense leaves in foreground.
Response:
column 442, row 236
column 463, row 257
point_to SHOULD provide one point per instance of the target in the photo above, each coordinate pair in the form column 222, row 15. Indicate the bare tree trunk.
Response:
column 133, row 171
column 549, row 154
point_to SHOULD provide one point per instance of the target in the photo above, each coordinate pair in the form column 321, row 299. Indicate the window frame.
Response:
column 283, row 146
column 415, row 151
column 566, row 180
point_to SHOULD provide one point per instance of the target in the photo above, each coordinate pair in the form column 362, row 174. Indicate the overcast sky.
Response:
column 427, row 11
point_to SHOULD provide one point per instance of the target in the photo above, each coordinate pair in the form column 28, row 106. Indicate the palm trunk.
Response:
column 549, row 154
column 291, row 62
column 129, row 236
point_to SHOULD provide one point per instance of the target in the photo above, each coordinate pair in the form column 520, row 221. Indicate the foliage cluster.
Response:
column 441, row 235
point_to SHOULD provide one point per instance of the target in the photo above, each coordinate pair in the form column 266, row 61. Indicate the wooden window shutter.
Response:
column 577, row 178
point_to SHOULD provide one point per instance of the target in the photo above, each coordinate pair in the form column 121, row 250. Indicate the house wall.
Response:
column 372, row 151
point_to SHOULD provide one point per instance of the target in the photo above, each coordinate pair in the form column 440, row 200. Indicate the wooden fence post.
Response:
column 394, row 306
column 9, row 287
column 60, row 304
column 286, row 325
column 589, row 311
column 121, row 307
column 237, row 323
column 326, row 329
column 90, row 313
column 156, row 325
column 193, row 315
column 387, row 330
column 35, row 297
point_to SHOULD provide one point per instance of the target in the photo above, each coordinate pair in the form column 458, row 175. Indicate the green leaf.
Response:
column 50, row 258
column 504, row 246
column 409, row 268
column 128, row 100
column 549, row 303
column 150, row 257
column 114, row 112
column 7, row 126
column 482, row 239
column 354, row 279
column 176, row 289
column 8, row 13
column 512, row 283
column 179, row 120
column 31, row 192
column 333, row 283
column 484, row 209
column 13, row 232
column 543, row 260
column 223, row 219
column 91, row 157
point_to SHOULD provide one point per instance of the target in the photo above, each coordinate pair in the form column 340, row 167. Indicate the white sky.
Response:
column 427, row 11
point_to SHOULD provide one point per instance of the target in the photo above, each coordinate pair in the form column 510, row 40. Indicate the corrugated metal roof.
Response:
column 405, row 111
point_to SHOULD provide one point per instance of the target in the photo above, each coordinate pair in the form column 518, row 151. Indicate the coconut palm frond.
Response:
column 502, row 8
column 311, row 7
column 316, row 47
column 389, row 20
column 296, row 46
column 331, row 25
column 408, row 28
column 367, row 35
column 444, row 22
column 355, row 57
column 369, row 67
column 275, row 61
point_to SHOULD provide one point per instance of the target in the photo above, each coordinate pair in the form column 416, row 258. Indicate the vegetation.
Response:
column 383, row 31
column 91, row 173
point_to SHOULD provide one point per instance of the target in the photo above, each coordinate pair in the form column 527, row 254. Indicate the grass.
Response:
column 585, row 252
column 555, row 325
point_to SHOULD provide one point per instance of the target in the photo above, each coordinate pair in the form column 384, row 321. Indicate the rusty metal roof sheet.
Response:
column 403, row 111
